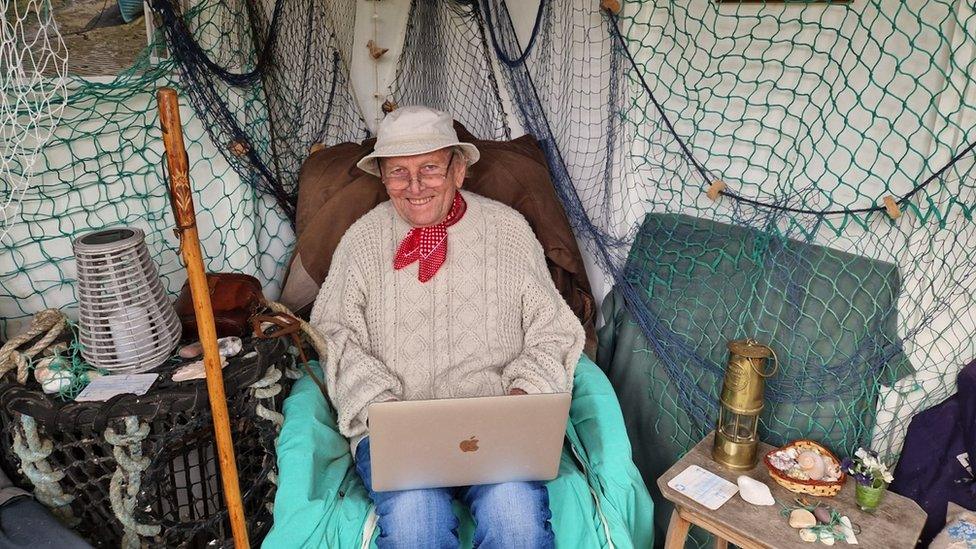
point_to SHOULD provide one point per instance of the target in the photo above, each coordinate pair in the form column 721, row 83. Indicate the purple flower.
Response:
column 846, row 465
column 863, row 479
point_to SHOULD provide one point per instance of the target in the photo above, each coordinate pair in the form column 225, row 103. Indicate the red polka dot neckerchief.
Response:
column 429, row 244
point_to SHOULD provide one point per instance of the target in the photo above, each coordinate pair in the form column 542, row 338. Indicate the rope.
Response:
column 317, row 340
column 127, row 480
column 496, row 43
column 50, row 321
column 267, row 388
column 33, row 451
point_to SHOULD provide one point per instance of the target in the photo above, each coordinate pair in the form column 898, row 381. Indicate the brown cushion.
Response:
column 333, row 193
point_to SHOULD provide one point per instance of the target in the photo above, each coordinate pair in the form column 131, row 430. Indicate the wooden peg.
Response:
column 891, row 207
column 238, row 148
column 316, row 147
column 715, row 189
column 612, row 6
column 389, row 106
column 375, row 51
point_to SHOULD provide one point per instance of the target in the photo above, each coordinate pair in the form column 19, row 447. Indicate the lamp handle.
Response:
column 775, row 365
column 770, row 373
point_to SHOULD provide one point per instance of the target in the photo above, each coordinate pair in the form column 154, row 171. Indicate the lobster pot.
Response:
column 126, row 322
column 142, row 471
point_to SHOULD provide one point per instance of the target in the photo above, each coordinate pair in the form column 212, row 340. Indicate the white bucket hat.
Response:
column 413, row 130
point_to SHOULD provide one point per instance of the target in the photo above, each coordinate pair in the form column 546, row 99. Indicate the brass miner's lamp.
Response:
column 741, row 402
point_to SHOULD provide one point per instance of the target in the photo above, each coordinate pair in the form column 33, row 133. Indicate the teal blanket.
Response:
column 598, row 500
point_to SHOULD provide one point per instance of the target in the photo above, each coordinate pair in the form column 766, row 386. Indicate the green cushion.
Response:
column 598, row 494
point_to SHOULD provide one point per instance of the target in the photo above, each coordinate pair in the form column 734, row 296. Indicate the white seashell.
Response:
column 754, row 491
column 826, row 537
column 847, row 529
column 812, row 464
column 808, row 535
column 229, row 346
column 832, row 473
column 194, row 370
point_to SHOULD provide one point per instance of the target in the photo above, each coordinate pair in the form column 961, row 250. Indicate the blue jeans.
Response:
column 509, row 515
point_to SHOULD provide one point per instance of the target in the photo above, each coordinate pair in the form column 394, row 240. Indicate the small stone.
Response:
column 754, row 491
column 192, row 350
column 826, row 537
column 801, row 518
column 808, row 535
column 229, row 346
column 822, row 514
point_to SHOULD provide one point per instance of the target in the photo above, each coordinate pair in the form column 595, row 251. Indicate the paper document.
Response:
column 703, row 486
column 106, row 387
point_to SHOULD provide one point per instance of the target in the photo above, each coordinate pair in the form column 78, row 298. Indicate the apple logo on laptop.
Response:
column 469, row 445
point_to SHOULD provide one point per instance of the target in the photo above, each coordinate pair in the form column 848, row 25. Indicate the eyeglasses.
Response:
column 430, row 175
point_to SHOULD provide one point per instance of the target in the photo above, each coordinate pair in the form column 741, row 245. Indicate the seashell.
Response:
column 826, row 537
column 192, row 350
column 847, row 529
column 226, row 346
column 822, row 514
column 801, row 518
column 229, row 346
column 754, row 491
column 194, row 370
column 808, row 535
column 832, row 472
column 812, row 464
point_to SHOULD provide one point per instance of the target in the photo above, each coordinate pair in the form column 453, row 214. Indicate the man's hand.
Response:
column 517, row 391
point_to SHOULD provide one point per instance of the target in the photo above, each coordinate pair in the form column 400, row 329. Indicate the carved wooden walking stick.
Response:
column 181, row 195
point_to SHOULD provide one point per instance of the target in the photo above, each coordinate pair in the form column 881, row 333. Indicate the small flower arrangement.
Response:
column 867, row 469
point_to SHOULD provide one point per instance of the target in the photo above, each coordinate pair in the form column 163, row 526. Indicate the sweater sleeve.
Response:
column 354, row 377
column 553, row 336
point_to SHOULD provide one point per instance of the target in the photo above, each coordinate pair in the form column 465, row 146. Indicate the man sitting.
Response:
column 440, row 293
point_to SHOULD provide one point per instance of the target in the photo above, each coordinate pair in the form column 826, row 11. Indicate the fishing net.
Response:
column 259, row 82
column 810, row 114
column 32, row 69
column 801, row 117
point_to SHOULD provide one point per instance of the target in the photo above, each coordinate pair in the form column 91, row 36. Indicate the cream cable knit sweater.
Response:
column 489, row 321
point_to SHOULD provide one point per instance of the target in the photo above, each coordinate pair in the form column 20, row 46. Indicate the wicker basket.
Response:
column 812, row 487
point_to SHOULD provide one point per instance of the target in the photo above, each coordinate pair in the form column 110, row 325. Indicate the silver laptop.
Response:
column 466, row 441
